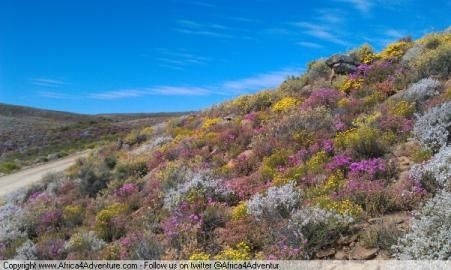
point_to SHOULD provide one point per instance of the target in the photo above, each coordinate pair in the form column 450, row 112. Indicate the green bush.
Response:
column 8, row 167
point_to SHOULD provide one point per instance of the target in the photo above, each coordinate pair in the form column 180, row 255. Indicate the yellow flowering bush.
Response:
column 239, row 253
column 364, row 120
column 239, row 211
column 72, row 214
column 402, row 108
column 270, row 164
column 344, row 207
column 303, row 138
column 350, row 84
column 334, row 181
column 363, row 140
column 284, row 104
column 209, row 122
column 316, row 163
column 104, row 218
column 365, row 54
column 395, row 50
column 199, row 256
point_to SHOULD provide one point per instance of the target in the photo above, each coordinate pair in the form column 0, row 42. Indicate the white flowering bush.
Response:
column 422, row 90
column 430, row 237
column 438, row 167
column 195, row 182
column 26, row 252
column 10, row 222
column 278, row 202
column 84, row 242
column 432, row 128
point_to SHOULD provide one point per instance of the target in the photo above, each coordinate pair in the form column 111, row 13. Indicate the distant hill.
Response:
column 29, row 135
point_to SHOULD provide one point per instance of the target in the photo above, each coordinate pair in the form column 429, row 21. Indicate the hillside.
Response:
column 350, row 160
column 30, row 135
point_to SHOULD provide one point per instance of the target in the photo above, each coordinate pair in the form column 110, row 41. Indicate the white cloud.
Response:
column 190, row 27
column 47, row 82
column 259, row 81
column 395, row 34
column 158, row 90
column 179, row 59
column 363, row 6
column 118, row 94
column 320, row 31
column 310, row 45
column 232, row 87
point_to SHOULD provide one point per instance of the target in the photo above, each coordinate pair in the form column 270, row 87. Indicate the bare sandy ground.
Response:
column 16, row 181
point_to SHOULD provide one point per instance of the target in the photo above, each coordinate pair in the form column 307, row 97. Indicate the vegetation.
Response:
column 288, row 173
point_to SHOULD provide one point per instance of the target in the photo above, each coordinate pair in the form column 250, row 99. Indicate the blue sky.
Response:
column 176, row 55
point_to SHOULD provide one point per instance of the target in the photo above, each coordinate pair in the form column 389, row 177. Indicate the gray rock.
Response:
column 342, row 64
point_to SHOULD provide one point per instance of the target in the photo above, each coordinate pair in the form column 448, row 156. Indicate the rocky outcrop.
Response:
column 342, row 64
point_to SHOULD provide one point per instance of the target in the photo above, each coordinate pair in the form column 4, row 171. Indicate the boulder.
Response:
column 342, row 64
column 362, row 253
column 325, row 253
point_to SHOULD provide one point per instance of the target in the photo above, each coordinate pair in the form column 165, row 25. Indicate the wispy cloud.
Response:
column 363, row 6
column 259, row 81
column 323, row 32
column 179, row 59
column 190, row 27
column 311, row 45
column 118, row 94
column 231, row 87
column 47, row 82
column 158, row 90
column 395, row 34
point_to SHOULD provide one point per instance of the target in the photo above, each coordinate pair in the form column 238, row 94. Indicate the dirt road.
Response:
column 13, row 182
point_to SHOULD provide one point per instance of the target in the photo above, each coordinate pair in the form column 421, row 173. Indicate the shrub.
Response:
column 92, row 179
column 104, row 221
column 239, row 211
column 27, row 251
column 422, row 90
column 365, row 54
column 433, row 128
column 313, row 228
column 364, row 141
column 10, row 222
column 438, row 168
column 322, row 97
column 73, row 215
column 210, row 122
column 351, row 84
column 199, row 256
column 240, row 253
column 382, row 236
column 271, row 163
column 8, row 167
column 200, row 183
column 402, row 108
column 285, row 104
column 84, row 242
column 435, row 61
column 278, row 202
column 395, row 50
column 430, row 234
column 317, row 70
column 343, row 207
